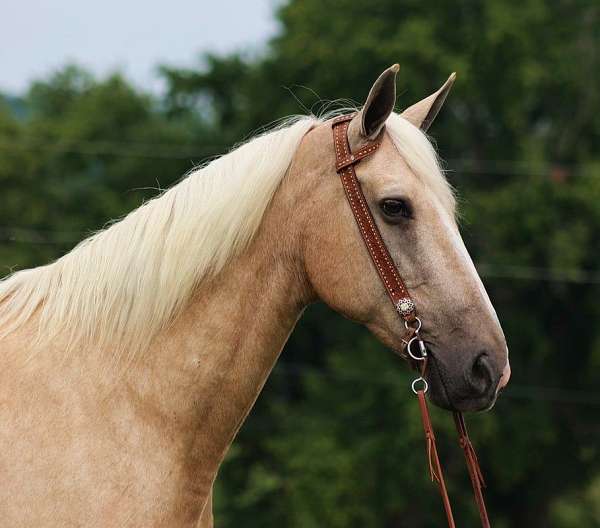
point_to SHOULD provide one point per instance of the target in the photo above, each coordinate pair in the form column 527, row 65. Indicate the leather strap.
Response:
column 435, row 468
column 345, row 160
column 475, row 474
column 380, row 256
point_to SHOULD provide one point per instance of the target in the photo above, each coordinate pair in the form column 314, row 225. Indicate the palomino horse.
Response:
column 128, row 365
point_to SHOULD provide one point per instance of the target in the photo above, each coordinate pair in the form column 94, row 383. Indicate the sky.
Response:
column 131, row 36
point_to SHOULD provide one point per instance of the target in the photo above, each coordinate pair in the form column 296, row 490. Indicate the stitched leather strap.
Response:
column 380, row 256
column 345, row 160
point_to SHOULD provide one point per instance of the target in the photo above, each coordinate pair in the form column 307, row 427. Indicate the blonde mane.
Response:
column 418, row 152
column 123, row 285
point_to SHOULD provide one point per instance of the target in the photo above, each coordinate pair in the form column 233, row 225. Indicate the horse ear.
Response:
column 423, row 113
column 380, row 103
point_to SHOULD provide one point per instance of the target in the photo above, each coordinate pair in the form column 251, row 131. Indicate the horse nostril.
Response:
column 481, row 375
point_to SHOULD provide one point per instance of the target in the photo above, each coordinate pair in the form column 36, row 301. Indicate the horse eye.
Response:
column 394, row 207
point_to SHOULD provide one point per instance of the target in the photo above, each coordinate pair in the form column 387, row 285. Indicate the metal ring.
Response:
column 422, row 349
column 416, row 330
column 425, row 385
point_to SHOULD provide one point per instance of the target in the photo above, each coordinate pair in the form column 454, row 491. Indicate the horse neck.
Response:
column 206, row 371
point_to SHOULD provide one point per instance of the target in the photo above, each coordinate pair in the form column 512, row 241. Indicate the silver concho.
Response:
column 405, row 306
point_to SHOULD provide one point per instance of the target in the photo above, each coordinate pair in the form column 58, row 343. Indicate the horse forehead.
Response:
column 387, row 168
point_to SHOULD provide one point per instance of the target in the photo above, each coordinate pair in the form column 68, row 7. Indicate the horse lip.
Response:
column 434, row 372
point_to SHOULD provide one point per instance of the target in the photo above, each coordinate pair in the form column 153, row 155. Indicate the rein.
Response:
column 405, row 306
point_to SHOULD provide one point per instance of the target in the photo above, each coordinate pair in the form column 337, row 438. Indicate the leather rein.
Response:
column 415, row 348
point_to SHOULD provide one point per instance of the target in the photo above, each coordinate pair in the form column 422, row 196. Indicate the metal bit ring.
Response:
column 425, row 385
column 415, row 329
column 422, row 349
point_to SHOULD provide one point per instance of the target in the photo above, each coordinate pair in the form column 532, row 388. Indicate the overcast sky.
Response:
column 133, row 36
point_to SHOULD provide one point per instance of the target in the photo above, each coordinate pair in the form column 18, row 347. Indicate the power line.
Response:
column 37, row 236
column 120, row 149
column 26, row 236
column 513, row 391
column 180, row 151
column 501, row 167
column 566, row 275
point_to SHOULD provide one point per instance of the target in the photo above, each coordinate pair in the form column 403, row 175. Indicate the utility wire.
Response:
column 180, row 151
column 121, row 149
column 527, row 273
column 513, row 391
column 534, row 273
column 65, row 239
column 38, row 236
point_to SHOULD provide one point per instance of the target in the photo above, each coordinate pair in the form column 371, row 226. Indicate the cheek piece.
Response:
column 414, row 349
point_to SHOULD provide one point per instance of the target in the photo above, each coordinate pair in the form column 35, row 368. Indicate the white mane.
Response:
column 124, row 284
column 421, row 157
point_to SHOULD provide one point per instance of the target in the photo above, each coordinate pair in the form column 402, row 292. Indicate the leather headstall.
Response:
column 345, row 161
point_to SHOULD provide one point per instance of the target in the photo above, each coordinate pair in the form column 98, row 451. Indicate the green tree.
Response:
column 87, row 152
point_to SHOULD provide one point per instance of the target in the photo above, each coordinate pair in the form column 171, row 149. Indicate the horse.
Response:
column 128, row 365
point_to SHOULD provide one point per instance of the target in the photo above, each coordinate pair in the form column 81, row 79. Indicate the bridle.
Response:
column 414, row 346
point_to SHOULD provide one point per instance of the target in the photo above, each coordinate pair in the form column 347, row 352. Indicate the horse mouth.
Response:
column 437, row 392
column 443, row 393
